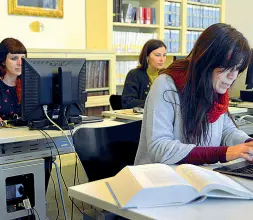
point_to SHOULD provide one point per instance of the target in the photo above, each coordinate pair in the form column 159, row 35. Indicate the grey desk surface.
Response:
column 97, row 194
column 10, row 135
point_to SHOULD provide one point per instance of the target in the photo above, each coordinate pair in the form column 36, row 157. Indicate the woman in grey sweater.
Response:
column 186, row 117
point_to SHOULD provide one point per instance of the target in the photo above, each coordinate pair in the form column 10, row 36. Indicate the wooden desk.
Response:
column 16, row 134
column 235, row 110
column 242, row 104
column 124, row 114
column 130, row 115
column 97, row 194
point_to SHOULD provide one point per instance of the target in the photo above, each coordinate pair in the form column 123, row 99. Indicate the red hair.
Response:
column 19, row 89
column 13, row 46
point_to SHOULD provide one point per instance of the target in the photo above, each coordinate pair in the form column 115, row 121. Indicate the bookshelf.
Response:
column 101, row 28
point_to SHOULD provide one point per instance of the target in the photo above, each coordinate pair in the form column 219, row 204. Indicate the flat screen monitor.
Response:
column 249, row 77
column 58, row 85
column 178, row 57
column 247, row 95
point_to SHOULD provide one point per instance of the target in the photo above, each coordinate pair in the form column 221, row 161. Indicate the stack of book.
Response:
column 127, row 13
column 171, row 14
column 191, row 38
column 122, row 68
column 97, row 73
column 171, row 40
column 201, row 16
column 130, row 42
column 214, row 2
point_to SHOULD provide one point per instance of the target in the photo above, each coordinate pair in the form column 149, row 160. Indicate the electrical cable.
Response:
column 245, row 116
column 73, row 149
column 75, row 172
column 55, row 196
column 70, row 143
column 57, row 205
column 60, row 187
column 36, row 212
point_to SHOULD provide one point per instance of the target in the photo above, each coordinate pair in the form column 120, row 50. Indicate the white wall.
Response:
column 238, row 14
column 59, row 33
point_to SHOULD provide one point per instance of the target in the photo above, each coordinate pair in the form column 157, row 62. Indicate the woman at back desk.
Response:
column 139, row 80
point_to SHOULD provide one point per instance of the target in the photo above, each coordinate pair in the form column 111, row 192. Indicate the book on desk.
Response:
column 154, row 185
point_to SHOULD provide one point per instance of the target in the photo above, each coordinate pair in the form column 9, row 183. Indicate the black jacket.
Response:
column 136, row 89
column 8, row 101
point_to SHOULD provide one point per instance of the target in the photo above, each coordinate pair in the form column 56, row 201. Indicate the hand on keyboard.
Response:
column 244, row 150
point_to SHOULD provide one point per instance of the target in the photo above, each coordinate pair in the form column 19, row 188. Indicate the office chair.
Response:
column 104, row 151
column 115, row 101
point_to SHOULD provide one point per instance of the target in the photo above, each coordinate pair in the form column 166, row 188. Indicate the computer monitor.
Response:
column 58, row 84
column 247, row 95
column 178, row 57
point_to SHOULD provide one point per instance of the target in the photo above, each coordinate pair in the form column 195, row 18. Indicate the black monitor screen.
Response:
column 249, row 78
column 58, row 84
column 178, row 57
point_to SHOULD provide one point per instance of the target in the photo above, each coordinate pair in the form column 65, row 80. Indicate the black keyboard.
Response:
column 245, row 170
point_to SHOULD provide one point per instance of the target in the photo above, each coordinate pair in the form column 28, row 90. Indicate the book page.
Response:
column 154, row 175
column 206, row 180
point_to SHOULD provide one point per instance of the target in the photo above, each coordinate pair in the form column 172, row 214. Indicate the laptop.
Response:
column 241, row 169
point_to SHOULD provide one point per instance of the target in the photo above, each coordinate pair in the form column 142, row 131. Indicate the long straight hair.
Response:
column 219, row 46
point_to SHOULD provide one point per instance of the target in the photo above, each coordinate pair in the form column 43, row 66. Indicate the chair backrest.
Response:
column 115, row 101
column 105, row 151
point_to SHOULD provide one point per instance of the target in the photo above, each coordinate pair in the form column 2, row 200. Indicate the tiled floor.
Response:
column 68, row 175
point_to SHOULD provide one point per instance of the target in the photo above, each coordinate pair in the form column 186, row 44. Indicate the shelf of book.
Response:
column 160, row 26
column 204, row 4
column 177, row 1
column 95, row 101
column 97, row 89
column 119, row 24
column 195, row 29
column 127, row 54
column 173, row 27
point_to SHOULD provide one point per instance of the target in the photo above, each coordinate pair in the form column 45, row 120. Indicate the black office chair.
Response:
column 104, row 151
column 115, row 101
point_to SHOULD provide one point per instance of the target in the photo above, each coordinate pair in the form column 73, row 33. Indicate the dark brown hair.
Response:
column 219, row 46
column 148, row 47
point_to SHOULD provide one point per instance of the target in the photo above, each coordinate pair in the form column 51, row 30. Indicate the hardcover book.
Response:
column 154, row 185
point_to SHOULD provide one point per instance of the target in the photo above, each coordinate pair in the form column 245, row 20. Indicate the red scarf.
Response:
column 219, row 107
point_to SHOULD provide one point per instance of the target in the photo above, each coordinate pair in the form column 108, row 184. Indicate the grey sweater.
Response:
column 161, row 139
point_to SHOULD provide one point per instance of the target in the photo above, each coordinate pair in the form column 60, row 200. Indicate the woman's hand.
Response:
column 244, row 150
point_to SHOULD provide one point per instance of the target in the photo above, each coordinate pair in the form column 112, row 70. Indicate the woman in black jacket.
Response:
column 139, row 80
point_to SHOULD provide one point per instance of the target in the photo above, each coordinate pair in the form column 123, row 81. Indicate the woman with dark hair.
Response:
column 139, row 80
column 186, row 118
column 11, row 53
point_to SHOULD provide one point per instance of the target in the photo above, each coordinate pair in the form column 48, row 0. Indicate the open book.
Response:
column 153, row 185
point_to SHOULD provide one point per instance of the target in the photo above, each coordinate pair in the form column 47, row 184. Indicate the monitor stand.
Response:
column 44, row 124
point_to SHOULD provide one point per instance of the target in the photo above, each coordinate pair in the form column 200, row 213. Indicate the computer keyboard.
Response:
column 245, row 170
column 241, row 122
